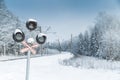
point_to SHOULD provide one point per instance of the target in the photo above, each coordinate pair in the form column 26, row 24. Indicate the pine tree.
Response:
column 94, row 42
column 86, row 43
column 80, row 44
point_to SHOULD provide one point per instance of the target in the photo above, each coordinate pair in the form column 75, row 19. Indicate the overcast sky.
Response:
column 66, row 17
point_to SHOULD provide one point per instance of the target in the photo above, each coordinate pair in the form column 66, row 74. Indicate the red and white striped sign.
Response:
column 28, row 47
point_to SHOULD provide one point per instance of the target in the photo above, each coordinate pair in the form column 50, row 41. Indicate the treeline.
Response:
column 102, row 40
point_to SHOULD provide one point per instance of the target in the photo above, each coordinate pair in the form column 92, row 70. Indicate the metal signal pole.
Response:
column 28, row 65
column 41, row 44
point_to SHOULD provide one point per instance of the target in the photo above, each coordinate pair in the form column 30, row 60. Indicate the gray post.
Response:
column 28, row 65
column 71, row 43
column 41, row 44
column 4, row 50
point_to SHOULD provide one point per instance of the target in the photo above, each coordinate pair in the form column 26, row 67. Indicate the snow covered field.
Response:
column 91, row 63
column 48, row 68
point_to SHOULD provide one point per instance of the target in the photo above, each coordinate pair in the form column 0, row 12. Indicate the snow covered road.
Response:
column 48, row 68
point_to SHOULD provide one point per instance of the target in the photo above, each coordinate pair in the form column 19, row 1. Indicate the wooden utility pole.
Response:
column 71, row 43
column 4, row 50
column 41, row 44
column 59, row 45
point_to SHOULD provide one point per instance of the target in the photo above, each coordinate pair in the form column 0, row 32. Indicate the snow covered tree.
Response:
column 94, row 41
column 8, row 24
column 75, row 46
column 86, row 44
column 109, row 41
column 80, row 44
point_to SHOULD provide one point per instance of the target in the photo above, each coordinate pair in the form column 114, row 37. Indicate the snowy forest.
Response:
column 7, row 19
column 102, row 40
column 9, row 22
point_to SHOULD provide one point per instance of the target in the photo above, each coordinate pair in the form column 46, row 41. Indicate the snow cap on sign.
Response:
column 41, row 34
column 17, row 30
column 30, row 40
column 32, row 20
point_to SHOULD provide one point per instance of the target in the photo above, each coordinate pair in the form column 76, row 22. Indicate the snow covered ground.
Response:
column 48, row 68
column 91, row 63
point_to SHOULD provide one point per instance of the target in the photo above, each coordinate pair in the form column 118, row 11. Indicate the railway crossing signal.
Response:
column 19, row 36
